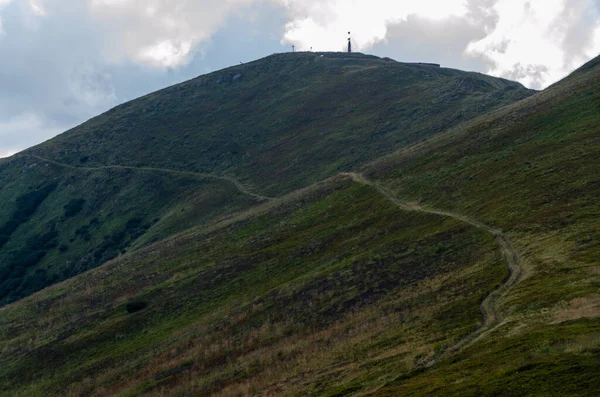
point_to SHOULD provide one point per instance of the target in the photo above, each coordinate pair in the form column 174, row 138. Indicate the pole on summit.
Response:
column 349, row 43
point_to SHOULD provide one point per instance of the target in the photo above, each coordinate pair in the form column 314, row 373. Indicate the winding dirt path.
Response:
column 489, row 307
column 231, row 180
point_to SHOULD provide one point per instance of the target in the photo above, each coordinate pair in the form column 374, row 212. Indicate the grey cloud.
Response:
column 534, row 72
column 420, row 39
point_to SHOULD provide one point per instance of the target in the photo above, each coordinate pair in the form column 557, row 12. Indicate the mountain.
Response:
column 213, row 146
column 463, row 262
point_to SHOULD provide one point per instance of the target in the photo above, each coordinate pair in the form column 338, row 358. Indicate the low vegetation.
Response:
column 358, row 285
column 337, row 286
column 215, row 145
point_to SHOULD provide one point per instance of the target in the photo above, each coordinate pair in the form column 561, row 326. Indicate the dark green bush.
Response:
column 29, row 259
column 133, row 223
column 26, row 205
column 135, row 306
column 29, row 202
column 74, row 207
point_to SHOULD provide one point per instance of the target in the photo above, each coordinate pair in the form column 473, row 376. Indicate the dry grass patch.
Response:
column 585, row 307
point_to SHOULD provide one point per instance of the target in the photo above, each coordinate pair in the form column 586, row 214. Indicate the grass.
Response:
column 335, row 286
column 332, row 290
column 527, row 169
column 290, row 120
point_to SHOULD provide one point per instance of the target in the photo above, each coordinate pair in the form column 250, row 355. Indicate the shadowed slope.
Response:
column 213, row 146
column 266, row 121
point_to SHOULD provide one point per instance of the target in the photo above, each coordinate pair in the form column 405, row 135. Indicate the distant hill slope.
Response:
column 212, row 146
column 285, row 121
column 390, row 280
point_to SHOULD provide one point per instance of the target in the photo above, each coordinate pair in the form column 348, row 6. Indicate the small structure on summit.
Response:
column 349, row 43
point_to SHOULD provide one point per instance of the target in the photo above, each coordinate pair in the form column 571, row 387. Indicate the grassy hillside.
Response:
column 265, row 122
column 532, row 170
column 326, row 293
column 213, row 146
column 60, row 222
column 464, row 264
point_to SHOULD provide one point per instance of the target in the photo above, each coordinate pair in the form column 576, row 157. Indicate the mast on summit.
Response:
column 349, row 43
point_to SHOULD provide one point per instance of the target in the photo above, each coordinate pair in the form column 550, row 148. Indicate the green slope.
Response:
column 212, row 146
column 531, row 170
column 285, row 121
column 465, row 264
column 332, row 290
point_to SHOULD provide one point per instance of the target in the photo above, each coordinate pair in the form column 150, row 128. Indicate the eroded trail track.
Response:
column 201, row 175
column 489, row 307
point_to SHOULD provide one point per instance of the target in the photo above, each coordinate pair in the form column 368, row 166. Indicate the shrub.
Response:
column 74, row 207
column 27, row 204
column 135, row 306
column 133, row 223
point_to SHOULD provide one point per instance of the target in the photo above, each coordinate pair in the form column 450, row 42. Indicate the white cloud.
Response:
column 166, row 53
column 3, row 3
column 323, row 24
column 539, row 41
column 159, row 33
column 37, row 8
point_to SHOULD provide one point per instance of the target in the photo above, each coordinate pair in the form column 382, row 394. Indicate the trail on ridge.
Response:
column 489, row 306
column 231, row 180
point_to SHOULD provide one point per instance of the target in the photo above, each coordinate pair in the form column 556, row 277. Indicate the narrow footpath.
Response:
column 201, row 175
column 489, row 307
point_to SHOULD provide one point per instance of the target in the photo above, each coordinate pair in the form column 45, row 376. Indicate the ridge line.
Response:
column 238, row 185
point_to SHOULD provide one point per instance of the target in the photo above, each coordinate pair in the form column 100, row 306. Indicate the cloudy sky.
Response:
column 64, row 61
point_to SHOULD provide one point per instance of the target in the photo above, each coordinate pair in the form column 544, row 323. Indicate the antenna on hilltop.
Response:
column 349, row 43
column 293, row 47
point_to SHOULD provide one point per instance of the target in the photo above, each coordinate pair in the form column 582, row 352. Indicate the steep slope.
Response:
column 327, row 292
column 265, row 121
column 531, row 170
column 212, row 146
column 390, row 280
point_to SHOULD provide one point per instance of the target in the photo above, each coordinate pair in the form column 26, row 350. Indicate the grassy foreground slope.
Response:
column 328, row 292
column 531, row 169
column 213, row 146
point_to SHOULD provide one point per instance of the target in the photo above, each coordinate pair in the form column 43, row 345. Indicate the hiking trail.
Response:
column 489, row 306
column 231, row 180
